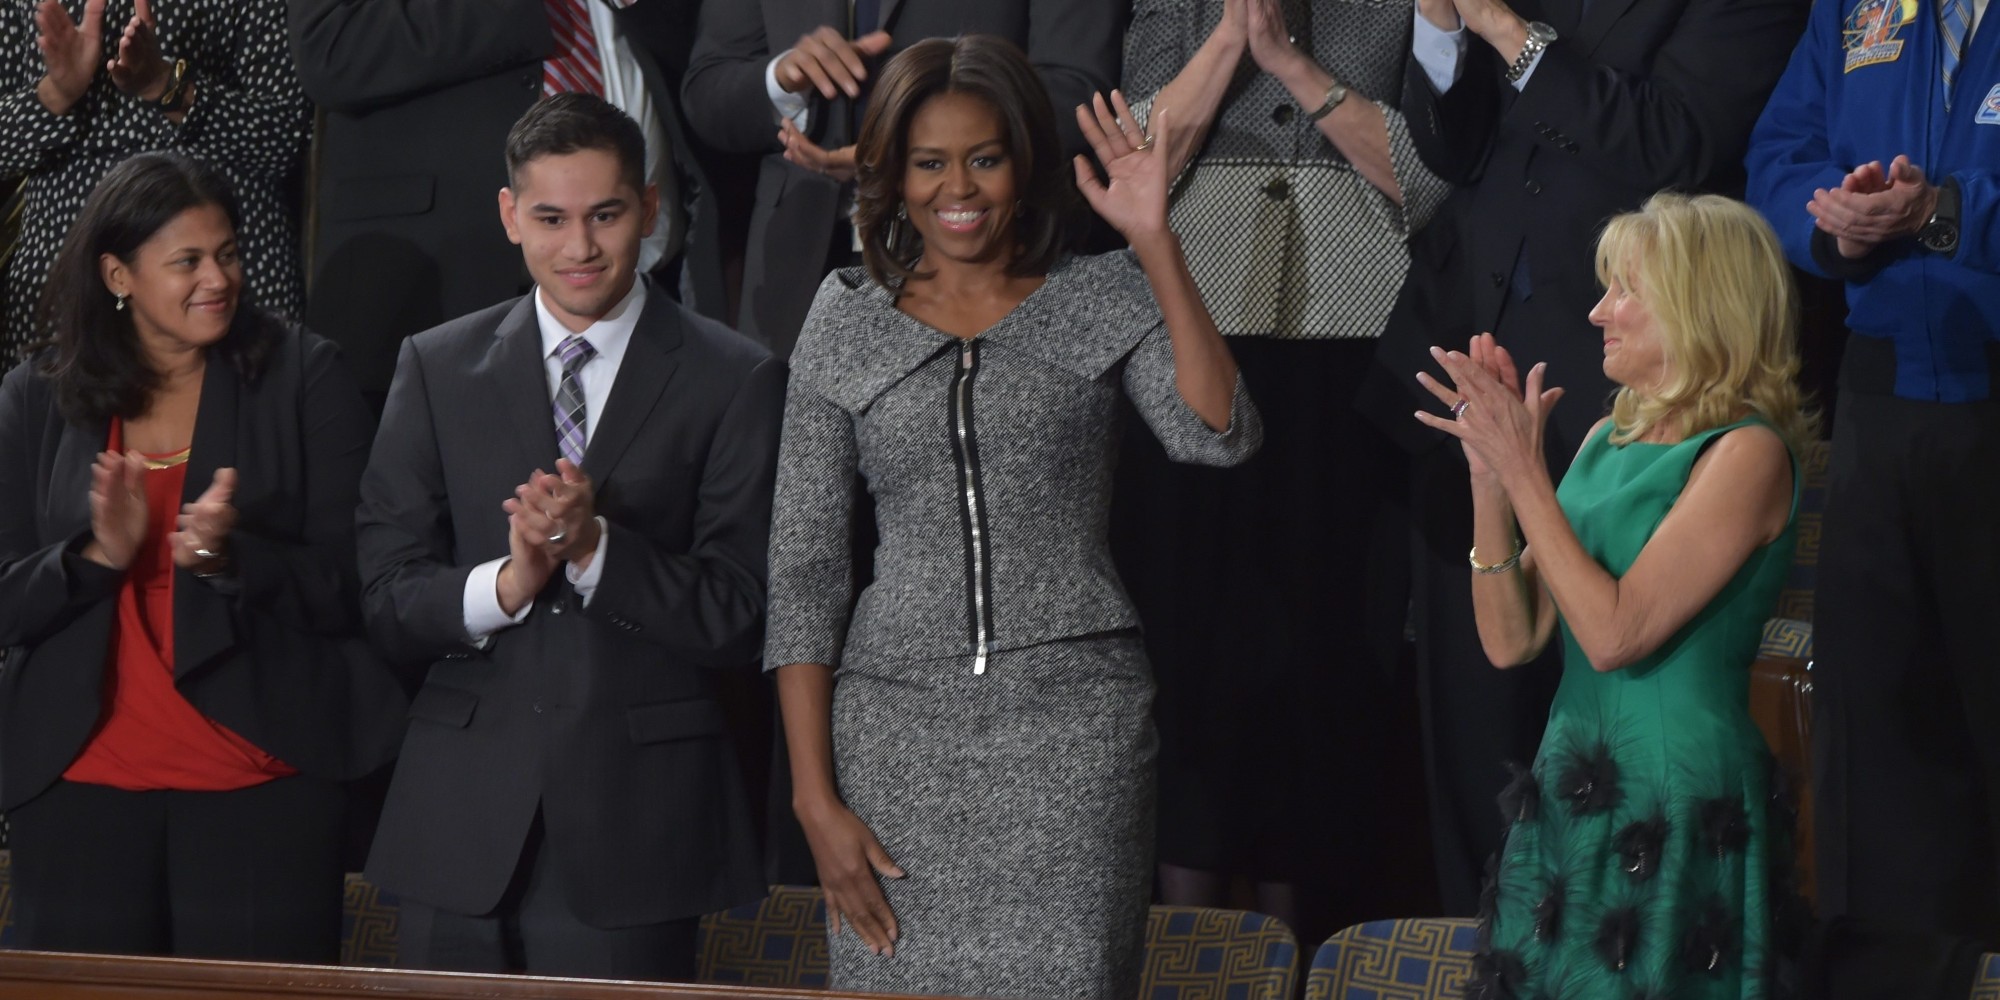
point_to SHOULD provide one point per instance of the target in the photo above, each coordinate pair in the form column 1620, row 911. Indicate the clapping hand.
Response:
column 827, row 61
column 551, row 519
column 1498, row 420
column 117, row 509
column 200, row 542
column 837, row 163
column 69, row 51
column 1271, row 45
column 138, row 68
column 1873, row 206
column 1134, row 201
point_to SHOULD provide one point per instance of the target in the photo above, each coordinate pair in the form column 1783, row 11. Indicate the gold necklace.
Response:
column 168, row 461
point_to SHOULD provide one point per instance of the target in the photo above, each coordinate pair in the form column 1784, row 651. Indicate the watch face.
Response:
column 1541, row 32
column 1939, row 236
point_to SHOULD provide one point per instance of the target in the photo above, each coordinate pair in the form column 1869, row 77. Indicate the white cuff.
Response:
column 787, row 104
column 585, row 583
column 483, row 615
column 1441, row 53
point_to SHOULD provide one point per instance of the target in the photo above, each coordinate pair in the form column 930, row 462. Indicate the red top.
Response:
column 149, row 737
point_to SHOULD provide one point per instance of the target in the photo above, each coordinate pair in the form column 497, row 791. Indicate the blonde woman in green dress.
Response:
column 1648, row 854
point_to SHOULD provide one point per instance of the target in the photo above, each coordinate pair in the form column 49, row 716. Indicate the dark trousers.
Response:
column 535, row 931
column 250, row 874
column 1906, row 683
column 1477, row 717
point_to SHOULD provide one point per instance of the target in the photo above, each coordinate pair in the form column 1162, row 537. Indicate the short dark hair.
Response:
column 96, row 367
column 573, row 122
column 993, row 70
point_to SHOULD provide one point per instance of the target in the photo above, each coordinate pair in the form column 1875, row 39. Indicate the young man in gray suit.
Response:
column 566, row 801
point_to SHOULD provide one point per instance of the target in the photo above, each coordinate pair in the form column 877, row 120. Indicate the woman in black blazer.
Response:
column 185, row 681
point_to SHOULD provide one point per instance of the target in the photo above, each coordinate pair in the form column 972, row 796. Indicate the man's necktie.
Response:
column 572, row 422
column 574, row 65
column 1954, row 24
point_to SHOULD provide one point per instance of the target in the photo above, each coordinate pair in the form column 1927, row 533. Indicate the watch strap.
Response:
column 1336, row 95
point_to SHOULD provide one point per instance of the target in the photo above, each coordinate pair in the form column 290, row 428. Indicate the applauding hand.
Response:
column 1135, row 199
column 117, row 509
column 201, row 541
column 69, row 50
column 1500, row 425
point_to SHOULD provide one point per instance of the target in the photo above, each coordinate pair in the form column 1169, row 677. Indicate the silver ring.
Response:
column 556, row 539
column 207, row 554
column 1458, row 409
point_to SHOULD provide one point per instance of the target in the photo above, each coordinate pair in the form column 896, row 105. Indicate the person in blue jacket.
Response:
column 1877, row 160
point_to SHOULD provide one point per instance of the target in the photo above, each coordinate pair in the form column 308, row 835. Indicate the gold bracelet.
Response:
column 1472, row 556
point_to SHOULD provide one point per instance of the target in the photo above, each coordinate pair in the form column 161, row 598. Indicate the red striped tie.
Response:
column 573, row 66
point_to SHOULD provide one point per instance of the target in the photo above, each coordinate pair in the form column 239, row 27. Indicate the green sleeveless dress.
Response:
column 1647, row 852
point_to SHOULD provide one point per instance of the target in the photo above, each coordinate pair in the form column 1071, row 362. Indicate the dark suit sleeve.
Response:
column 707, row 603
column 1790, row 154
column 42, row 586
column 723, row 94
column 412, row 598
column 665, row 29
column 1454, row 130
column 310, row 583
column 1687, row 120
column 1074, row 45
column 355, row 54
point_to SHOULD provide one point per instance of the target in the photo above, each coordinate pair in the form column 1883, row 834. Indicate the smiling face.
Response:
column 578, row 223
column 182, row 285
column 958, row 180
column 1634, row 351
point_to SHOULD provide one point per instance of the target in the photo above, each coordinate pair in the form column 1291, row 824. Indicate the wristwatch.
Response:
column 1336, row 92
column 1539, row 37
column 1940, row 233
column 170, row 101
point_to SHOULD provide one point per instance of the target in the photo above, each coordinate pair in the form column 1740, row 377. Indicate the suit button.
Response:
column 1568, row 147
column 1534, row 186
column 1277, row 190
column 538, row 708
column 1498, row 279
column 1282, row 114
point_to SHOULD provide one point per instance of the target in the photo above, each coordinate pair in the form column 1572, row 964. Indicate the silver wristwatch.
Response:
column 1539, row 37
column 1336, row 92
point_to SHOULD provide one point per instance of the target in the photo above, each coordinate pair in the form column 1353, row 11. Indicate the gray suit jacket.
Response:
column 1073, row 43
column 604, row 716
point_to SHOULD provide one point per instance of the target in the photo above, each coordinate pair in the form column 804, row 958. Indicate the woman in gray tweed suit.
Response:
column 977, row 788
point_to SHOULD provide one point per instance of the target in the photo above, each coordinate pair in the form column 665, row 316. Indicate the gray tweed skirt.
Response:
column 1019, row 803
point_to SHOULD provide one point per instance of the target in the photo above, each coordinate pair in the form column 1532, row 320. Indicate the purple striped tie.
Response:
column 572, row 423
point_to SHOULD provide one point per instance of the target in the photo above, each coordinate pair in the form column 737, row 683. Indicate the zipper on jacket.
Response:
column 975, row 524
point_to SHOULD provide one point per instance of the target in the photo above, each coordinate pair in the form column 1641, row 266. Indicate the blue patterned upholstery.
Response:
column 7, row 899
column 1419, row 959
column 1786, row 638
column 777, row 941
column 368, row 925
column 1987, row 986
column 1196, row 953
column 1796, row 600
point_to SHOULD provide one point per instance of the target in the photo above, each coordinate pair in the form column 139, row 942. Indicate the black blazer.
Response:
column 275, row 653
column 1074, row 44
column 1634, row 96
column 416, row 102
column 605, row 716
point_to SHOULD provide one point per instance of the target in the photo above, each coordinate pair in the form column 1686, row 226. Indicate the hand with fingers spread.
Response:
column 836, row 163
column 70, row 51
column 200, row 541
column 1873, row 206
column 118, row 509
column 1134, row 200
column 1500, row 425
column 827, row 61
column 138, row 68
column 1487, row 353
column 849, row 858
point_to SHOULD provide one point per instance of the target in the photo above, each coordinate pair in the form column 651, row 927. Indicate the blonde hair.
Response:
column 1710, row 271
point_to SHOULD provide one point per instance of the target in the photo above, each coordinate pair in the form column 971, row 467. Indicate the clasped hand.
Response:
column 1498, row 419
column 551, row 519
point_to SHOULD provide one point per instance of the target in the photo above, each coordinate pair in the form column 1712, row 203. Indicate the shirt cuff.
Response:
column 483, row 615
column 1441, row 53
column 787, row 104
column 585, row 583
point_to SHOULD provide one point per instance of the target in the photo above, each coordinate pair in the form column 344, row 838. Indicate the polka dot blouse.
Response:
column 250, row 118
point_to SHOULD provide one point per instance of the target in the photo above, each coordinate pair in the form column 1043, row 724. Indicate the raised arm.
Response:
column 357, row 54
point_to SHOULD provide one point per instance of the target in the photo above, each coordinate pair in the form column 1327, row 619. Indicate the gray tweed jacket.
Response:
column 989, row 461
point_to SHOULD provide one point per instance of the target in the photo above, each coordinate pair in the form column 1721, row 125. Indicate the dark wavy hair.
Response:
column 570, row 123
column 92, row 355
column 993, row 70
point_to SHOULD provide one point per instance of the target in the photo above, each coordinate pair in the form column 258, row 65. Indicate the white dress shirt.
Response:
column 625, row 88
column 609, row 336
column 1442, row 54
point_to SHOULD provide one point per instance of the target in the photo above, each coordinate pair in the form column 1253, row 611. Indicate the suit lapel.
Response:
column 513, row 369
column 202, row 627
column 648, row 366
column 1598, row 17
column 889, row 8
